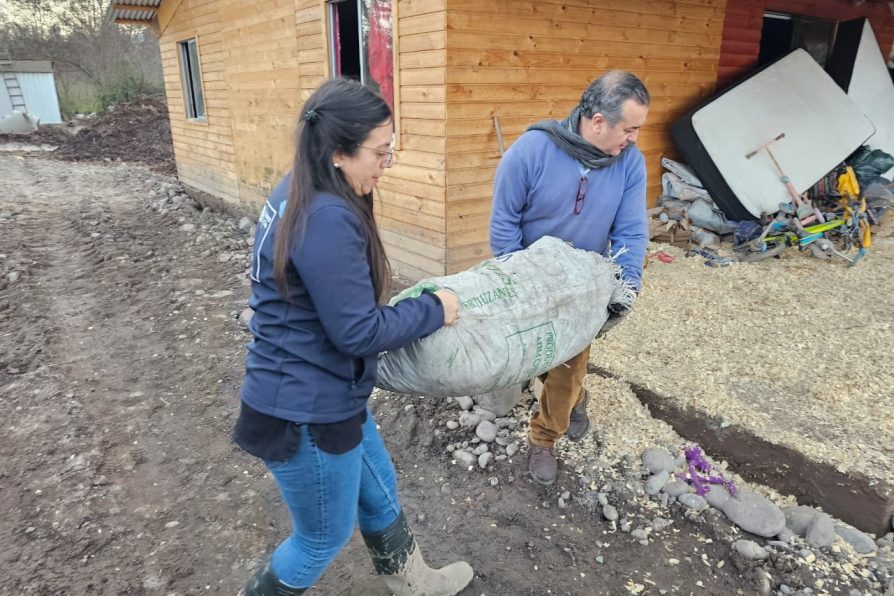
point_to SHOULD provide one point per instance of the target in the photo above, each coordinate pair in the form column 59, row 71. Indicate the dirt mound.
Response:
column 138, row 131
column 47, row 134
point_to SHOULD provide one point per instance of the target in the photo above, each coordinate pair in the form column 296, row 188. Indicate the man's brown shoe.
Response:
column 580, row 422
column 542, row 464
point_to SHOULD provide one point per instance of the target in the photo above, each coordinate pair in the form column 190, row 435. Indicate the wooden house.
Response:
column 466, row 77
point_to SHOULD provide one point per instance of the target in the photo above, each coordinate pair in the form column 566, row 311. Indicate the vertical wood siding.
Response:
column 524, row 60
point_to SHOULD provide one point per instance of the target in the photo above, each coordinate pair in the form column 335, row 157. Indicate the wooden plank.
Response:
column 406, row 172
column 309, row 42
column 587, row 13
column 424, row 249
column 456, row 111
column 423, row 42
column 310, row 28
column 426, row 59
column 745, row 48
column 490, row 93
column 410, row 229
column 311, row 14
column 546, row 59
column 472, row 176
column 393, row 199
column 420, row 160
column 420, row 220
column 423, row 127
column 486, row 140
column 402, row 267
column 426, row 23
column 312, row 69
column 424, row 143
column 613, row 7
column 466, row 256
column 268, row 71
column 224, row 153
column 422, row 190
column 467, row 237
column 235, row 16
column 424, row 111
column 493, row 25
column 423, row 94
column 471, row 160
column 573, row 76
column 411, row 77
column 315, row 56
column 736, row 34
column 468, row 222
column 613, row 48
column 468, row 194
column 204, row 137
column 467, row 207
column 413, row 8
column 538, row 109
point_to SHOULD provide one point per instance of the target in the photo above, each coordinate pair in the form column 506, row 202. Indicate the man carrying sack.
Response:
column 582, row 180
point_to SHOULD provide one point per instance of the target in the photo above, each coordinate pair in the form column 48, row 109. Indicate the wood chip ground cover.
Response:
column 797, row 350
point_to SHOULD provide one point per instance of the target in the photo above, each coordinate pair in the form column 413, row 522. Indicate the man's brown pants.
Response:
column 562, row 391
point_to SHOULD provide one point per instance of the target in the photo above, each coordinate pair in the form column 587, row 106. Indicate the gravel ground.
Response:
column 797, row 350
column 121, row 366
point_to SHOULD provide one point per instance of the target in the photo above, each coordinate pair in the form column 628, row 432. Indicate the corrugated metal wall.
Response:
column 39, row 90
column 744, row 20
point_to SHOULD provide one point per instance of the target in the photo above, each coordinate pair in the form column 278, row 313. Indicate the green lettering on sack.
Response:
column 538, row 354
column 492, row 267
column 536, row 350
column 488, row 297
column 550, row 350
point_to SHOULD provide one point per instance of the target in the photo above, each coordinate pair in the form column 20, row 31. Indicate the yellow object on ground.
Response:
column 848, row 187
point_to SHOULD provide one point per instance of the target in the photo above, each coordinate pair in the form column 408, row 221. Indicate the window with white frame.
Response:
column 191, row 76
column 360, row 43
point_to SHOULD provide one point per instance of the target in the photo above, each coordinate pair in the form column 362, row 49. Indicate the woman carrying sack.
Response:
column 319, row 278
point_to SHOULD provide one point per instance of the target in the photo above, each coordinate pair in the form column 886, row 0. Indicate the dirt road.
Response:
column 120, row 365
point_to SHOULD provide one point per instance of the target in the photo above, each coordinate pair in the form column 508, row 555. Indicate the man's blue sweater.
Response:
column 313, row 358
column 534, row 196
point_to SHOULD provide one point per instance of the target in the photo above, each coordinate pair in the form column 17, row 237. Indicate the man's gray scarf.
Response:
column 564, row 134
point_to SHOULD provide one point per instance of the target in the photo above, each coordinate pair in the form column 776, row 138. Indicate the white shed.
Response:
column 29, row 86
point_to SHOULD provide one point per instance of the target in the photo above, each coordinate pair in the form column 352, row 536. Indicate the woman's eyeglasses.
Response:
column 388, row 156
column 581, row 193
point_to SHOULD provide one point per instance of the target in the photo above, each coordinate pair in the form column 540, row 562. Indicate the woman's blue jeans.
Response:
column 326, row 494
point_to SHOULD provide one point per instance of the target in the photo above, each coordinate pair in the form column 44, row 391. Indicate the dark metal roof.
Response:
column 26, row 66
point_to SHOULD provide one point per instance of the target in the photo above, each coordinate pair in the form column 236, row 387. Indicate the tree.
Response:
column 88, row 50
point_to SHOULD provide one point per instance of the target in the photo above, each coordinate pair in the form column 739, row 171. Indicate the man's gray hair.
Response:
column 607, row 94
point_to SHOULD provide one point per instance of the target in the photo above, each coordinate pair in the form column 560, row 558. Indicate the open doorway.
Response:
column 344, row 24
column 781, row 33
column 360, row 45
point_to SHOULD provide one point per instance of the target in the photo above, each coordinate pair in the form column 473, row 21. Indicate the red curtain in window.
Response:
column 380, row 57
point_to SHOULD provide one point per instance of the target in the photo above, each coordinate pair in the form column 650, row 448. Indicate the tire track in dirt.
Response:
column 94, row 352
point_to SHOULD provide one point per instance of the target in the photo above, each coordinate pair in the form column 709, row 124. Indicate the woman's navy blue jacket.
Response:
column 313, row 358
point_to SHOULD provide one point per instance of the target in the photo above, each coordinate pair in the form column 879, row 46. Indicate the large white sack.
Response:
column 522, row 314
